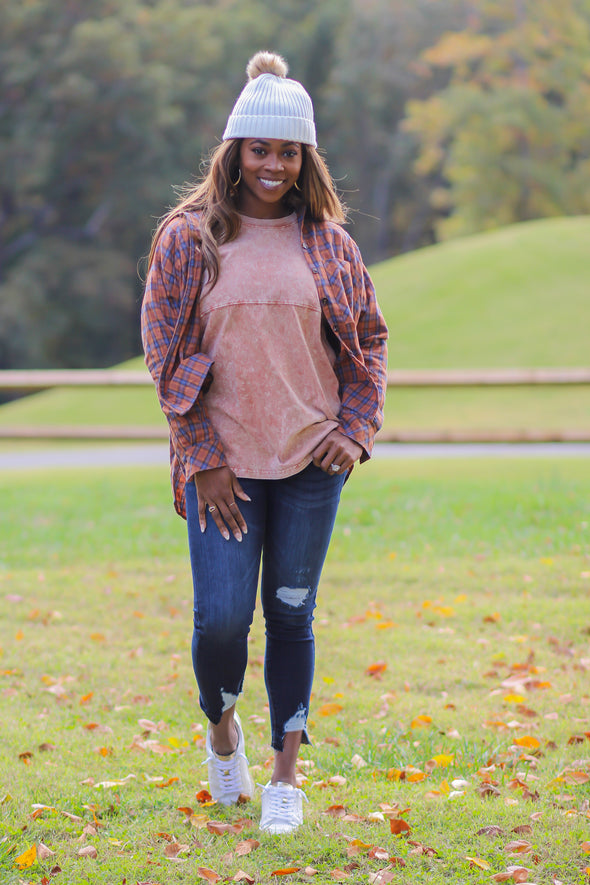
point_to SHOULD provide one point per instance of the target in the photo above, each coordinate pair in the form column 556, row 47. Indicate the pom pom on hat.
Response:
column 267, row 63
column 271, row 105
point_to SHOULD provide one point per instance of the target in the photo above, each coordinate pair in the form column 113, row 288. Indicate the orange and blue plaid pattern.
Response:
column 171, row 337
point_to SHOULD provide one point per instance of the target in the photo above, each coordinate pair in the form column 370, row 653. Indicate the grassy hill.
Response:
column 519, row 296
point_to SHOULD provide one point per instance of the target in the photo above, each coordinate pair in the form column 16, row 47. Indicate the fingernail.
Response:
column 245, row 530
column 248, row 498
column 225, row 535
column 238, row 536
column 202, row 527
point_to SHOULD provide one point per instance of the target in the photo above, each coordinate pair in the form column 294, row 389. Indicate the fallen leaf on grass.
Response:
column 479, row 863
column 246, row 846
column 109, row 785
column 241, row 876
column 43, row 852
column 198, row 821
column 517, row 874
column 576, row 777
column 443, row 760
column 168, row 783
column 204, row 797
column 491, row 830
column 390, row 810
column 286, row 871
column 166, row 836
column 27, row 858
column 381, row 877
column 421, row 722
column 413, row 775
column 88, row 830
column 420, row 849
column 488, row 791
column 528, row 741
column 518, row 846
column 357, row 846
column 335, row 810
column 173, row 849
column 208, row 875
column 219, row 828
column 330, row 709
column 399, row 827
column 76, row 818
column 336, row 781
column 377, row 853
column 88, row 851
column 376, row 669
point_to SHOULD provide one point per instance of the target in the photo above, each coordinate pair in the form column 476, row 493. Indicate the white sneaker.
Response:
column 282, row 810
column 229, row 777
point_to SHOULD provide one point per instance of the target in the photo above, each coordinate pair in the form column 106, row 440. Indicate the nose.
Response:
column 275, row 162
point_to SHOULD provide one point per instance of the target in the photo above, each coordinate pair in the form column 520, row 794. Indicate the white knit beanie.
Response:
column 270, row 105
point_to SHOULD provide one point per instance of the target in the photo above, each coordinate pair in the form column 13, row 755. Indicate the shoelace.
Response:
column 281, row 799
column 228, row 771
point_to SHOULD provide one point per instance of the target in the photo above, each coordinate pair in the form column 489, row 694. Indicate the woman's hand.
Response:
column 217, row 490
column 336, row 451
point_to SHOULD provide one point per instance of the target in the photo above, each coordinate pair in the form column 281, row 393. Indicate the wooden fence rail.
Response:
column 41, row 379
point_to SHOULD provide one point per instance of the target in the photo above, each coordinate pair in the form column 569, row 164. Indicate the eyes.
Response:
column 288, row 154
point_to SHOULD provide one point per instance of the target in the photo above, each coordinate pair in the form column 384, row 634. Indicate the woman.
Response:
column 268, row 350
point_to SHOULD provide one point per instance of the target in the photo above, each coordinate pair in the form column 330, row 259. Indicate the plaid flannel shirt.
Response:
column 171, row 335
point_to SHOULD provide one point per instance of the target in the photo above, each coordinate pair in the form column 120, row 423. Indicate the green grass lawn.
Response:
column 452, row 688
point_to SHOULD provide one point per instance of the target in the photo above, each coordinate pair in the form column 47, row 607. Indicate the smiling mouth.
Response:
column 271, row 183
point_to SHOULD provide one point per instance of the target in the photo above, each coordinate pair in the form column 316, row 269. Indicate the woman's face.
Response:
column 270, row 167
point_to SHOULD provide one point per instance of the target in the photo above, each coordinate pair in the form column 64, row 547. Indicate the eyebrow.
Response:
column 267, row 143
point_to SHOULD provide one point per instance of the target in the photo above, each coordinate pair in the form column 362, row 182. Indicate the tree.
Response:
column 377, row 69
column 105, row 107
column 508, row 139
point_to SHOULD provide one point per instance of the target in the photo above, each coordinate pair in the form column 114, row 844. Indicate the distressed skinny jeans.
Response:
column 290, row 522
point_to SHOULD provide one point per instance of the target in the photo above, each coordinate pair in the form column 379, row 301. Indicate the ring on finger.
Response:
column 233, row 504
column 212, row 509
column 335, row 467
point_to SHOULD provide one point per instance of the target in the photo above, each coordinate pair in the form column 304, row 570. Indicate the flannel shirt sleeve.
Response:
column 179, row 380
column 361, row 414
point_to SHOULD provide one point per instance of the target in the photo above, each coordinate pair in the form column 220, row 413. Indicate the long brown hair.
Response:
column 215, row 197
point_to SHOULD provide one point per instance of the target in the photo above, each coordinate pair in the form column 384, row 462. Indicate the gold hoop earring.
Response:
column 296, row 186
column 234, row 184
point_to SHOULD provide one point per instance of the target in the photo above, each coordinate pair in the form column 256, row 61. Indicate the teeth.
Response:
column 270, row 183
